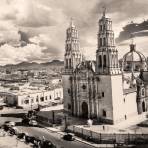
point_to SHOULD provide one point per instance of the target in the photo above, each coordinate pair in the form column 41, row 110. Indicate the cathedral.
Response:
column 107, row 89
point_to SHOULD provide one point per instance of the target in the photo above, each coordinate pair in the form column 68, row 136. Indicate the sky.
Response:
column 35, row 30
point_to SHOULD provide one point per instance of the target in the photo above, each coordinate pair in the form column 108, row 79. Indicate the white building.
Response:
column 32, row 97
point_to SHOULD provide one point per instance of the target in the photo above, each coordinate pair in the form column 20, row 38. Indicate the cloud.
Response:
column 36, row 29
column 10, row 54
column 134, row 30
column 8, row 33
column 24, row 38
column 124, row 9
column 141, row 46
column 29, row 13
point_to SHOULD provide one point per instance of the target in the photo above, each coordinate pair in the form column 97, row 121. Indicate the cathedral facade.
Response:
column 95, row 89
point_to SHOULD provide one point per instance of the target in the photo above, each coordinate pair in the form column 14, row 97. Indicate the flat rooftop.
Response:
column 26, row 90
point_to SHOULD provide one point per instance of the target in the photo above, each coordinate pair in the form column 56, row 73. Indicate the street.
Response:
column 54, row 137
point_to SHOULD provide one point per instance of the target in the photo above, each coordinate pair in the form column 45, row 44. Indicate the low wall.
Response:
column 108, row 137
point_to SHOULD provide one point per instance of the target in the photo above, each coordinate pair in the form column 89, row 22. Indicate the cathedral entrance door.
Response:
column 143, row 106
column 84, row 110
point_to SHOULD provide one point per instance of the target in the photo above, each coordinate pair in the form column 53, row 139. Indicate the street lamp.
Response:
column 31, row 104
column 65, row 122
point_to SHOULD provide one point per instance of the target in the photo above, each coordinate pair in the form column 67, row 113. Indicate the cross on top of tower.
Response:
column 132, row 39
column 132, row 45
column 104, row 10
column 72, row 22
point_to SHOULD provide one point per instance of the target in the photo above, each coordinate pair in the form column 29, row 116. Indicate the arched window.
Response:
column 142, row 92
column 104, row 113
column 101, row 28
column 104, row 41
column 104, row 60
column 100, row 41
column 100, row 61
column 111, row 43
column 37, row 98
column 104, row 27
column 66, row 47
column 69, row 63
column 66, row 63
column 113, row 61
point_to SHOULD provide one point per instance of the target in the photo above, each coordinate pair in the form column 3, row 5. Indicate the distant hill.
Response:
column 55, row 65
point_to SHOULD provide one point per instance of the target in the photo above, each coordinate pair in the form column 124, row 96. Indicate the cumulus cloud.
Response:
column 29, row 13
column 10, row 54
column 34, row 30
column 133, row 30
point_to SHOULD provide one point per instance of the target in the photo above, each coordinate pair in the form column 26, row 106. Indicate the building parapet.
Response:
column 129, row 90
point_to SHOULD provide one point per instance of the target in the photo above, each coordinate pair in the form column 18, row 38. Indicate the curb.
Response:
column 60, row 133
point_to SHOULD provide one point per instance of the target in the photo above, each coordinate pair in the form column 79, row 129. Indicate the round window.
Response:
column 84, row 86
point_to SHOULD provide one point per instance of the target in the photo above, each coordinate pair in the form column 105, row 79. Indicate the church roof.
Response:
column 133, row 55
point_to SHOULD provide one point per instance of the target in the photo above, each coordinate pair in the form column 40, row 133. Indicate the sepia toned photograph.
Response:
column 73, row 74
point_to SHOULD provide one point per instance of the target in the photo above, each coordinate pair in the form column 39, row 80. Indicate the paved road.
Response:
column 53, row 137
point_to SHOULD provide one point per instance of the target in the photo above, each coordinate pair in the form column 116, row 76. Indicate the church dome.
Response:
column 134, row 55
column 134, row 60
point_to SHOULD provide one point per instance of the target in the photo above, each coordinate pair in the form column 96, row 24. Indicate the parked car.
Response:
column 54, row 104
column 25, row 121
column 31, row 113
column 47, row 144
column 140, row 141
column 33, row 123
column 5, row 127
column 37, row 142
column 1, row 107
column 9, row 123
column 13, row 130
column 69, row 137
column 29, row 139
column 19, row 107
column 21, row 135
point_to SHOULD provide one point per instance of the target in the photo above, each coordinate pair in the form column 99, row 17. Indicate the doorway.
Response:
column 143, row 106
column 84, row 110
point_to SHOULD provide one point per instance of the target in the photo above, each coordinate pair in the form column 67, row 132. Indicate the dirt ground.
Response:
column 12, row 142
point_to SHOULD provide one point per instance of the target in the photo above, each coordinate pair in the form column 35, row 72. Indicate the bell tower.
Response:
column 72, row 58
column 106, row 54
column 72, row 55
column 109, row 91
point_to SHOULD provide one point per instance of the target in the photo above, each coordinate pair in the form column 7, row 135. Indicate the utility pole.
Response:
column 53, row 117
column 65, row 120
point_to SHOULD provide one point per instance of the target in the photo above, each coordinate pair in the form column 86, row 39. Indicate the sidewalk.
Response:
column 123, row 127
column 51, row 108
column 93, row 145
column 131, row 122
column 11, row 110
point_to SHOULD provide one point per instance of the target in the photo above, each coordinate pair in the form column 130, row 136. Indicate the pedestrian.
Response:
column 103, row 128
column 39, row 144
